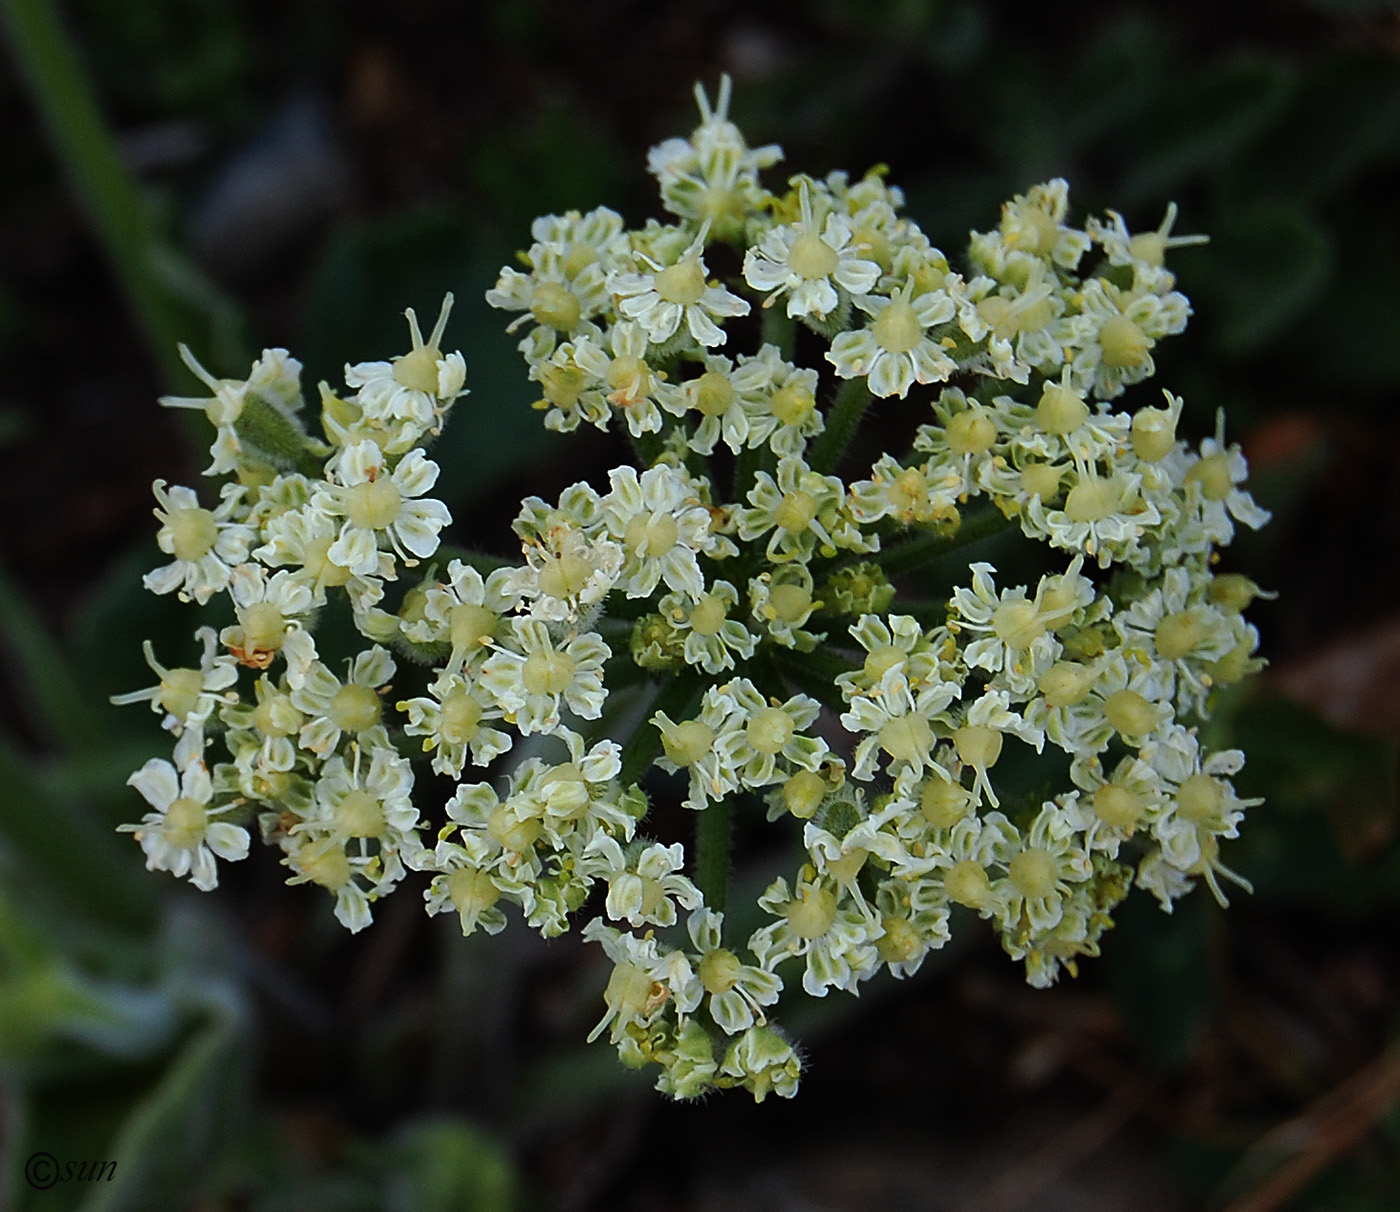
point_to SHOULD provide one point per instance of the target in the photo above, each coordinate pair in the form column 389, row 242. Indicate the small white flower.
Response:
column 454, row 720
column 661, row 527
column 533, row 683
column 379, row 503
column 895, row 350
column 187, row 697
column 338, row 708
column 184, row 834
column 807, row 263
column 274, row 381
column 738, row 992
column 408, row 397
column 674, row 295
column 206, row 543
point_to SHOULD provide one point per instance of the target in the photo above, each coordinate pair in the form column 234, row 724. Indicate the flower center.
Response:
column 326, row 864
column 769, row 730
column 1060, row 410
column 650, row 537
column 193, row 533
column 180, row 690
column 907, row 738
column 264, row 626
column 184, row 824
column 1091, row 500
column 630, row 990
column 320, row 565
column 803, row 794
column 909, row 491
column 897, row 329
column 1033, row 873
column 373, row 505
column 968, row 884
column 944, row 803
column 978, row 745
column 563, row 385
column 683, row 283
column 461, row 717
column 563, row 576
column 720, row 970
column 1123, row 343
column 791, row 603
column 709, row 615
column 1154, row 434
column 470, row 626
column 548, row 672
column 713, row 394
column 688, row 742
column 1065, row 683
column 1018, row 624
column 881, row 660
column 1177, row 634
column 812, row 912
column 510, row 831
column 629, row 377
column 1200, row 799
column 793, row 404
column 275, row 715
column 900, row 942
column 360, row 814
column 1130, row 713
column 1041, row 480
column 354, row 708
column 1117, row 806
column 811, row 256
column 1213, row 475
column 556, row 305
column 471, row 892
column 418, row 370
column 795, row 511
column 971, row 433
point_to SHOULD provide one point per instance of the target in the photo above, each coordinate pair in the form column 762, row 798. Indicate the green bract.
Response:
column 738, row 592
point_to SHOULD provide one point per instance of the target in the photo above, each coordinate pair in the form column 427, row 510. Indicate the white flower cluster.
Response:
column 724, row 616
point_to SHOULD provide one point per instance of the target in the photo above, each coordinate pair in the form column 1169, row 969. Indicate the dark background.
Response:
column 296, row 174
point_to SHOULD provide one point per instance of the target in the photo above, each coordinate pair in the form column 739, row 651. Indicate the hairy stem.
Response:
column 918, row 552
column 851, row 402
column 713, row 834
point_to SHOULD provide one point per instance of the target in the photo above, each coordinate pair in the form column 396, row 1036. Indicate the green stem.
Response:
column 779, row 328
column 750, row 462
column 919, row 552
column 647, row 447
column 713, row 834
column 814, row 672
column 851, row 402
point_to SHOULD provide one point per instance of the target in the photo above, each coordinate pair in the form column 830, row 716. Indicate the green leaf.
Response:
column 46, row 1001
column 1344, row 120
column 448, row 1165
column 1209, row 119
column 194, row 1112
column 74, row 854
column 62, row 707
column 1268, row 264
